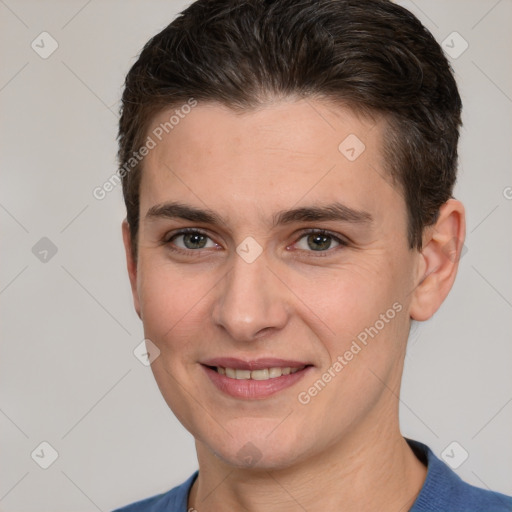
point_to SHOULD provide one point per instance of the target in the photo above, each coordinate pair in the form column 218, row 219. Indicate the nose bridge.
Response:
column 250, row 300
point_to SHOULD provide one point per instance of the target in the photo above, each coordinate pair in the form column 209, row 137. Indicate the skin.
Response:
column 343, row 450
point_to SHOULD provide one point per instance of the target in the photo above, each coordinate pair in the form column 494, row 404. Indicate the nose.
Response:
column 251, row 301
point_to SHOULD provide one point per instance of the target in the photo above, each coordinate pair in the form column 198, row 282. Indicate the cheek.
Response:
column 171, row 303
column 346, row 299
column 358, row 314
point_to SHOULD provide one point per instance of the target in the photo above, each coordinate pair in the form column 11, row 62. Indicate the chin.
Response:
column 250, row 457
column 259, row 451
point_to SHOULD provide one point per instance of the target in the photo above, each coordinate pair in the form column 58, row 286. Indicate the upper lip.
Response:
column 254, row 364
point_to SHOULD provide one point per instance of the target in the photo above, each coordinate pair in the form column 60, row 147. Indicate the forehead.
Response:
column 279, row 155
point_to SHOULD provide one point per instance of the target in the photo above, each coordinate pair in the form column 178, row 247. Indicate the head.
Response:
column 310, row 148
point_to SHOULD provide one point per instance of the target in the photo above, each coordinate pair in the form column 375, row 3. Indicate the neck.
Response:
column 371, row 469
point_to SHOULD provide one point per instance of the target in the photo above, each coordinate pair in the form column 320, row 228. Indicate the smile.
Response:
column 254, row 380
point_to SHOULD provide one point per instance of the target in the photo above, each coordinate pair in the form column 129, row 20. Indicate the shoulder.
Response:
column 174, row 500
column 444, row 490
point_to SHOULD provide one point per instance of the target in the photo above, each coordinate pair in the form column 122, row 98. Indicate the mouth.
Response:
column 256, row 379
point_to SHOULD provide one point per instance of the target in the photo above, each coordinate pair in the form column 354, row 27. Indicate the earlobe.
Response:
column 439, row 260
column 131, row 265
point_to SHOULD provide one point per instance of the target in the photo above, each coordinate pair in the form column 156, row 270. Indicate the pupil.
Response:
column 322, row 242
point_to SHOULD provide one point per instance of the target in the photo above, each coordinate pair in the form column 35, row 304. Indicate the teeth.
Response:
column 243, row 374
column 264, row 374
column 274, row 372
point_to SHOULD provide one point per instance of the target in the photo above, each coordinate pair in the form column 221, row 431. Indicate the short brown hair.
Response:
column 370, row 55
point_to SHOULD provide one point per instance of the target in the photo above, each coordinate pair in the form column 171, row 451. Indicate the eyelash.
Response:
column 167, row 240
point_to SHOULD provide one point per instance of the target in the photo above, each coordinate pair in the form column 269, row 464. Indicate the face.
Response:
column 269, row 239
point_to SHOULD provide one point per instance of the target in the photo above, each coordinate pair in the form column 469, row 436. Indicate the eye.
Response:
column 319, row 241
column 190, row 239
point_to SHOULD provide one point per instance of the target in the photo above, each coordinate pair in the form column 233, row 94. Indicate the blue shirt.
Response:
column 442, row 491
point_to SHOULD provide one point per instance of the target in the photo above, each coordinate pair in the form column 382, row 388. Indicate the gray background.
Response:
column 68, row 373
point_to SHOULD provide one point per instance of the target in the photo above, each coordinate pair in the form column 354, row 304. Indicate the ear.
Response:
column 131, row 265
column 439, row 260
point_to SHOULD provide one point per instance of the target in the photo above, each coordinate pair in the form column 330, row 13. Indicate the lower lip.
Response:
column 253, row 389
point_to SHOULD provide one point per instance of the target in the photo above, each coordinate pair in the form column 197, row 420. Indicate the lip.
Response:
column 249, row 389
column 255, row 364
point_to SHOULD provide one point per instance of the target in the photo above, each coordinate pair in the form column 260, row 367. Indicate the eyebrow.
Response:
column 331, row 212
